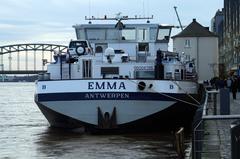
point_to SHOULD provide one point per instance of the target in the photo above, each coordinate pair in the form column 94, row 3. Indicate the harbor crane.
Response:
column 175, row 8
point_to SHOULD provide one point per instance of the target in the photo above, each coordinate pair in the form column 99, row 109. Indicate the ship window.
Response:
column 96, row 34
column 118, row 51
column 153, row 33
column 81, row 34
column 109, row 70
column 129, row 34
column 74, row 44
column 112, row 34
column 143, row 34
column 145, row 74
column 99, row 49
column 163, row 34
column 177, row 76
column 143, row 47
column 168, row 75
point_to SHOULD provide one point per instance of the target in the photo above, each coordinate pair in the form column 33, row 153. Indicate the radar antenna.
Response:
column 119, row 18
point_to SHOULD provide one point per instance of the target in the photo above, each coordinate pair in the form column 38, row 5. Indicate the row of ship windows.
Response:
column 100, row 47
column 125, row 34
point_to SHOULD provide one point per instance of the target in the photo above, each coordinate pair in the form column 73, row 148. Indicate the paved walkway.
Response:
column 217, row 138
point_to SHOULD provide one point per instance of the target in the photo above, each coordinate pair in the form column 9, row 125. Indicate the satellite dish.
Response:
column 109, row 54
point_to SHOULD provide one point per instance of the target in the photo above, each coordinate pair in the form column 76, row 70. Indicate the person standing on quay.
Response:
column 229, row 83
column 234, row 87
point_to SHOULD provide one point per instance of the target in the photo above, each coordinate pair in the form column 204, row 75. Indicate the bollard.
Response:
column 235, row 139
column 214, row 103
column 224, row 101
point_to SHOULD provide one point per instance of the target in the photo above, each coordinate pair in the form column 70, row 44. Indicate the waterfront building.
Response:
column 201, row 44
column 217, row 24
column 231, row 35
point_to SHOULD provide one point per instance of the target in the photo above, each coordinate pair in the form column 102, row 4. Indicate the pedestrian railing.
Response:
column 211, row 136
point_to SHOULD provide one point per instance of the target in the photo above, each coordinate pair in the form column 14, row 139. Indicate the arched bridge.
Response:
column 27, row 58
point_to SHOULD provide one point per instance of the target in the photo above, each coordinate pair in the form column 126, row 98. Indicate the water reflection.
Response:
column 62, row 144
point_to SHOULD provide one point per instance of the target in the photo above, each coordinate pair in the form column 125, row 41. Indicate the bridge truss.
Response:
column 29, row 54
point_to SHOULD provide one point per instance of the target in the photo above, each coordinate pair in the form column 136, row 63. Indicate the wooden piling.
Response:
column 179, row 138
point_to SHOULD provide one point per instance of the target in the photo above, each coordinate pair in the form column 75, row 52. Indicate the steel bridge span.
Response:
column 27, row 58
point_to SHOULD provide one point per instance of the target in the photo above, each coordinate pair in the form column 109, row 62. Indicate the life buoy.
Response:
column 141, row 85
column 80, row 50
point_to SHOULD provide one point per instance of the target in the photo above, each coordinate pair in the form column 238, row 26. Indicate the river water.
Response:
column 25, row 133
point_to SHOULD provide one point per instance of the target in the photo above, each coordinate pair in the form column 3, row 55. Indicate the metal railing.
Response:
column 211, row 136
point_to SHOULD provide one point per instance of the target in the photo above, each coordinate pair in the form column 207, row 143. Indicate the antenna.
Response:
column 118, row 17
column 143, row 8
column 147, row 8
column 175, row 8
column 89, row 11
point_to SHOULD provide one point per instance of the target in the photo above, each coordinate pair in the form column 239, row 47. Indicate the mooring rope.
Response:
column 180, row 100
column 186, row 92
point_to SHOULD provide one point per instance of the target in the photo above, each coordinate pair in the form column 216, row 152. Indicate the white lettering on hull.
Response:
column 106, row 96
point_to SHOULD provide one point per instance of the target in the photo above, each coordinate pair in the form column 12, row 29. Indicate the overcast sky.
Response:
column 24, row 21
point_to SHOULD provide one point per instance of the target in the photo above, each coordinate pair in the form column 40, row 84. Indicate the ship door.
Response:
column 87, row 68
column 143, row 51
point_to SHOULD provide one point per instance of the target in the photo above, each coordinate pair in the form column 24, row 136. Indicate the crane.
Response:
column 175, row 8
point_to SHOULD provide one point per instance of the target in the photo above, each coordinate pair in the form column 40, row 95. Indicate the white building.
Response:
column 202, row 45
